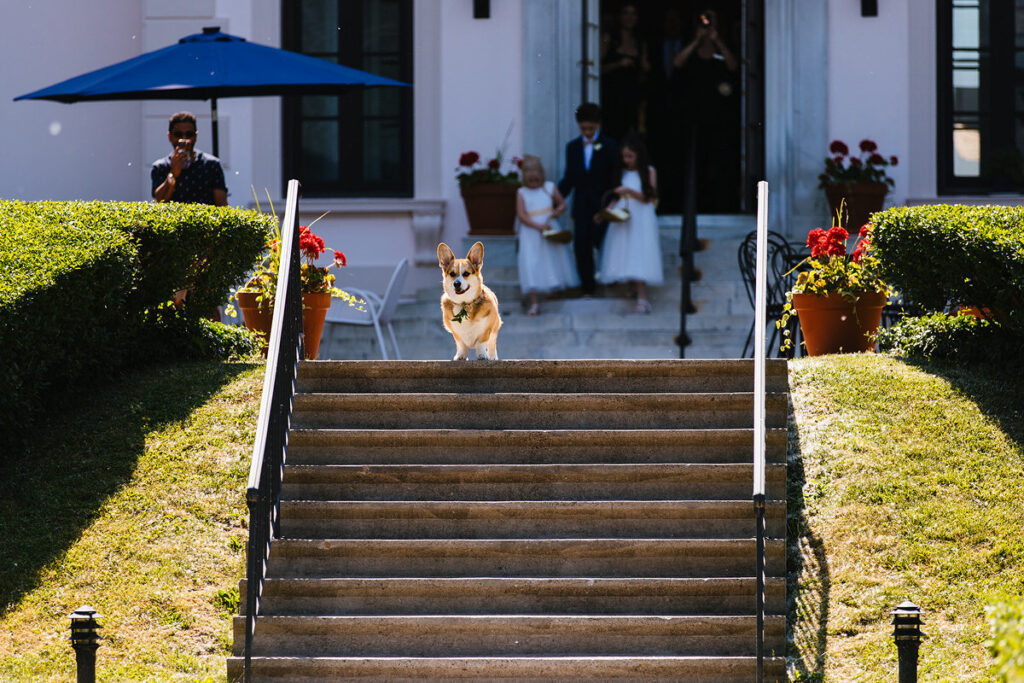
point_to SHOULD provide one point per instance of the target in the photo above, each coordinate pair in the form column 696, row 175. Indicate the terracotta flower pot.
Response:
column 314, row 313
column 256, row 318
column 831, row 324
column 862, row 200
column 490, row 208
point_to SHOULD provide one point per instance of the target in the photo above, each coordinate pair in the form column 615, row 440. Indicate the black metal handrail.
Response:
column 263, row 493
column 688, row 239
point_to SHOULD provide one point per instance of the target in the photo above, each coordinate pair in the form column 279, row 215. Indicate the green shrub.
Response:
column 62, row 300
column 1007, row 644
column 206, row 248
column 966, row 255
column 168, row 334
column 80, row 282
column 964, row 338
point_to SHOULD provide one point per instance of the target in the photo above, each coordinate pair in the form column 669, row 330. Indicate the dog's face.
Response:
column 462, row 277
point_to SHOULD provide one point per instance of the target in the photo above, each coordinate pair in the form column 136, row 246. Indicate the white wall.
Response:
column 868, row 86
column 481, row 93
column 88, row 150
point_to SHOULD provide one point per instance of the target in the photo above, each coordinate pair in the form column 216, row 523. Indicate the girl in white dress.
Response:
column 632, row 248
column 544, row 266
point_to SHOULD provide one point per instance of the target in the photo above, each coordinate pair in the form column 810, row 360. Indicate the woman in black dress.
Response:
column 624, row 69
column 710, row 111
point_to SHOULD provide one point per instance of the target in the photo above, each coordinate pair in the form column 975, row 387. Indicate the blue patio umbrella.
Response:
column 207, row 66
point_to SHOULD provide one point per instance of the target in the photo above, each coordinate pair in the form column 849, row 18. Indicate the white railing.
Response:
column 760, row 323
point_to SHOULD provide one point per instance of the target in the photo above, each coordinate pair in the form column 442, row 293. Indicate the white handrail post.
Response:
column 760, row 322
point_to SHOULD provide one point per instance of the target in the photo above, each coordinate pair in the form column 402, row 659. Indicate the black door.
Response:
column 714, row 98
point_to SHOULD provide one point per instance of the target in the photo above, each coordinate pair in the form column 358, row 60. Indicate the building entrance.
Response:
column 687, row 76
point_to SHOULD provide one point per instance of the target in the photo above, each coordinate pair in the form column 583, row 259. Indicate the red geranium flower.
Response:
column 309, row 244
column 868, row 146
column 836, row 241
column 339, row 259
column 468, row 158
column 839, row 147
column 876, row 159
column 494, row 164
column 855, row 161
column 815, row 239
column 865, row 230
column 839, row 234
column 893, row 160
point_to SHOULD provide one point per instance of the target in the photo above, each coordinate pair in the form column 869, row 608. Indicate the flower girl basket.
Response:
column 614, row 213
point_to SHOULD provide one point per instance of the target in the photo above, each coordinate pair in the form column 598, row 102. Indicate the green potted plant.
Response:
column 838, row 298
column 489, row 193
column 256, row 297
column 859, row 182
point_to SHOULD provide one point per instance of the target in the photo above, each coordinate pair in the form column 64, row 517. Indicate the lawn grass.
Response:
column 906, row 483
column 131, row 500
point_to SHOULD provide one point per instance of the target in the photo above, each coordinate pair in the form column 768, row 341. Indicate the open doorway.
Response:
column 687, row 76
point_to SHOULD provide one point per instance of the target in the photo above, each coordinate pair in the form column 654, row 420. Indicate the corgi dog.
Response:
column 469, row 309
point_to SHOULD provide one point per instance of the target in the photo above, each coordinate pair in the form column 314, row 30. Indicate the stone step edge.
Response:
column 297, row 505
column 502, row 471
column 541, row 369
column 445, row 544
column 447, row 435
column 596, row 582
column 629, row 667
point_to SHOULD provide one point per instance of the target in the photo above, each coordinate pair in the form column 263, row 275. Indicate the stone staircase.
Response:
column 532, row 520
column 573, row 328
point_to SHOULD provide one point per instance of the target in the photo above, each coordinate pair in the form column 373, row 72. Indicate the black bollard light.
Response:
column 906, row 619
column 85, row 638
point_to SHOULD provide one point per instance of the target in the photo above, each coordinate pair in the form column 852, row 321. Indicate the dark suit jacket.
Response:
column 588, row 186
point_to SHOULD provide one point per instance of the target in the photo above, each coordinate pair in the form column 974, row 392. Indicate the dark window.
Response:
column 981, row 96
column 358, row 143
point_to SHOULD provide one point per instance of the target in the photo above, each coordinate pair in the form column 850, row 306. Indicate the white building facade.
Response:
column 920, row 77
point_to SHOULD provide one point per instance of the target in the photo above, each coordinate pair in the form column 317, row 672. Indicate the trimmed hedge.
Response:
column 79, row 282
column 964, row 255
column 961, row 338
column 203, row 247
column 62, row 293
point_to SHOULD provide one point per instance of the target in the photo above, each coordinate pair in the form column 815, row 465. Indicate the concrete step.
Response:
column 528, row 446
column 667, row 376
column 490, row 635
column 503, row 669
column 359, row 596
column 594, row 557
column 526, row 519
column 533, row 411
column 648, row 482
column 583, row 352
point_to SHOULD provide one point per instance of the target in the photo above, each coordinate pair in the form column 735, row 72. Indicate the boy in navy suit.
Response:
column 591, row 165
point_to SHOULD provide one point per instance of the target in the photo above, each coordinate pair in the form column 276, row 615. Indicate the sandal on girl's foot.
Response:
column 642, row 306
column 534, row 309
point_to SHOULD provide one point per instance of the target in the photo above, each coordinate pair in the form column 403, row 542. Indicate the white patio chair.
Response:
column 378, row 309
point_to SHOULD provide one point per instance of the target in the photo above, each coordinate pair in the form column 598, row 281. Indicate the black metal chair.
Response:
column 782, row 258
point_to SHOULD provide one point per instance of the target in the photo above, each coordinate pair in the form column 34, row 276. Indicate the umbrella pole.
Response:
column 213, row 117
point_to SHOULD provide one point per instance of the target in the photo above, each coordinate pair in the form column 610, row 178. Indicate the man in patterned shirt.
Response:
column 188, row 175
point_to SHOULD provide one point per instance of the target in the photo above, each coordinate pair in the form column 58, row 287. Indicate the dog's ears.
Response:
column 476, row 255
column 445, row 256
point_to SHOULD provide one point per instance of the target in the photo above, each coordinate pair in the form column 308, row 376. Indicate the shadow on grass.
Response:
column 997, row 388
column 807, row 577
column 87, row 448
